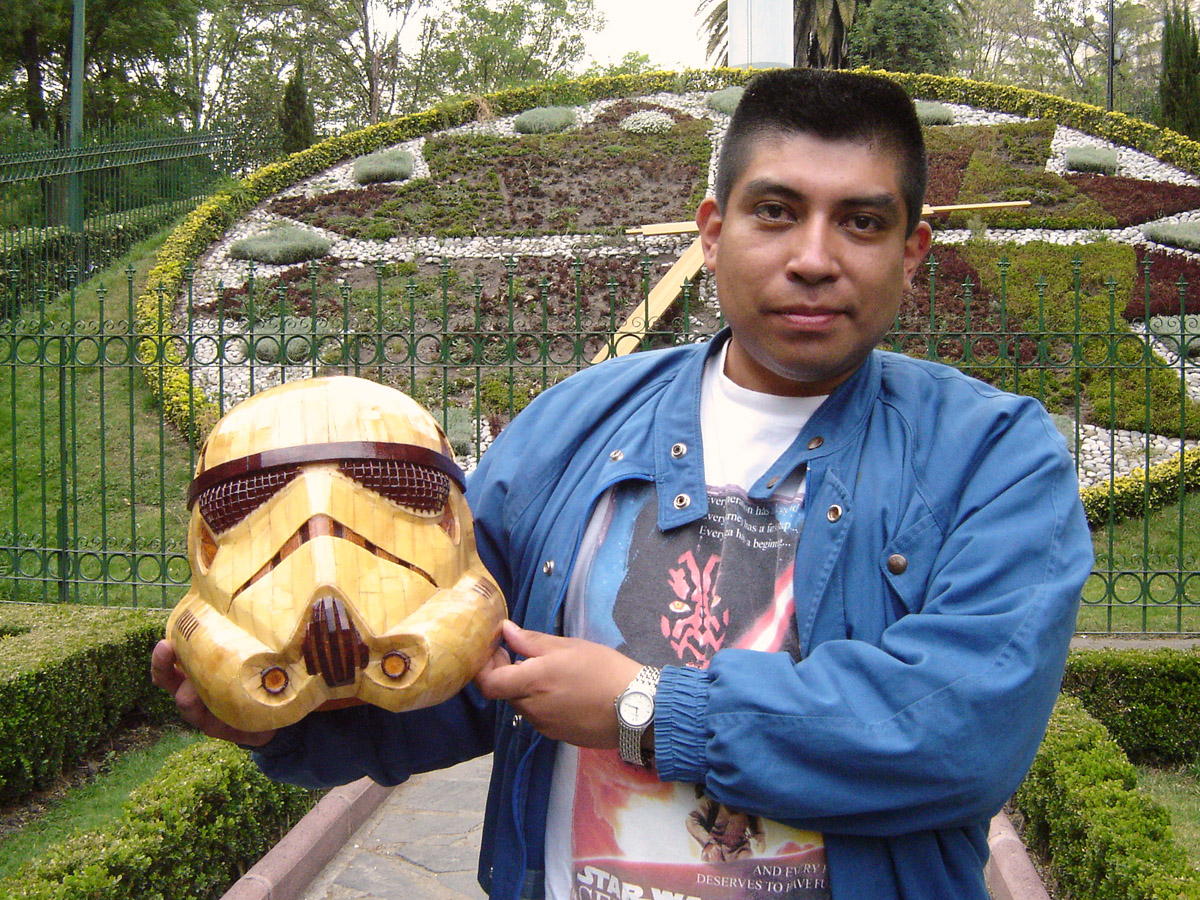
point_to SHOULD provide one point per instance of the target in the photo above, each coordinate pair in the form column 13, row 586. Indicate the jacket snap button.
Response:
column 517, row 720
column 834, row 513
column 678, row 450
column 815, row 443
column 682, row 501
column 616, row 455
column 897, row 564
column 548, row 567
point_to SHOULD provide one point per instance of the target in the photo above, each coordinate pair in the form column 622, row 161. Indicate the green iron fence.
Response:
column 94, row 512
column 65, row 211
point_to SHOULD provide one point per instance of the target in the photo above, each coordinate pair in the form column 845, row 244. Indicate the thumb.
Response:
column 526, row 643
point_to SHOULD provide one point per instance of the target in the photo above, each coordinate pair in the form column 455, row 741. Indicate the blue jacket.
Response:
column 937, row 580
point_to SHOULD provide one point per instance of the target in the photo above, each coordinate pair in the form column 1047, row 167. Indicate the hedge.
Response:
column 1081, row 807
column 1127, row 496
column 190, row 832
column 68, row 675
column 1149, row 700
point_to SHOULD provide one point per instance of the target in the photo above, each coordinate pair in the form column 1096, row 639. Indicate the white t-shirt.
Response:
column 615, row 832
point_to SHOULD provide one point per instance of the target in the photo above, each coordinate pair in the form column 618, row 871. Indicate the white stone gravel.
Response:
column 215, row 268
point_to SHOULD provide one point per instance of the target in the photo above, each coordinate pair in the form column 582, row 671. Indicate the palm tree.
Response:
column 822, row 28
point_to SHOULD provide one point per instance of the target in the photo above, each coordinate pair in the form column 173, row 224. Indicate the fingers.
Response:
column 165, row 672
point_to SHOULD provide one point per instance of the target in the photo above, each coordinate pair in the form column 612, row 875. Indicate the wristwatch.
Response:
column 635, row 712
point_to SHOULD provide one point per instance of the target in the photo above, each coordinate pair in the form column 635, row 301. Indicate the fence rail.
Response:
column 68, row 210
column 94, row 509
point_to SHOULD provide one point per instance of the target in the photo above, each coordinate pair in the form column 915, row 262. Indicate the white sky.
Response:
column 665, row 30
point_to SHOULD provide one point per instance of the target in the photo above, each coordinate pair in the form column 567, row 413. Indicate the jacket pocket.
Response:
column 907, row 560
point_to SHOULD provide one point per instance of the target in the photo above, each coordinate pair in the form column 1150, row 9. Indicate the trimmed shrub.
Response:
column 647, row 121
column 1149, row 700
column 68, row 675
column 1102, row 160
column 189, row 832
column 1127, row 496
column 725, row 101
column 386, row 165
column 544, row 120
column 1185, row 235
column 281, row 246
column 1081, row 806
column 934, row 113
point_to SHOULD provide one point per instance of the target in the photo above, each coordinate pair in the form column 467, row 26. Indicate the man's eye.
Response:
column 864, row 222
column 772, row 212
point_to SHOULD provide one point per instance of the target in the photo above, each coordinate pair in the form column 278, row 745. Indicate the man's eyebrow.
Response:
column 766, row 187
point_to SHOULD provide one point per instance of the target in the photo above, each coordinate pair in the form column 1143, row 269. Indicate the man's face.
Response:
column 810, row 259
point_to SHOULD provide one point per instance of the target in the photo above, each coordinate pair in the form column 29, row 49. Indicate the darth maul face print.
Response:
column 723, row 581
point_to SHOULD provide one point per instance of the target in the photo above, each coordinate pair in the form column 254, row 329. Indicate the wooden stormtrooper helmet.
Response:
column 333, row 559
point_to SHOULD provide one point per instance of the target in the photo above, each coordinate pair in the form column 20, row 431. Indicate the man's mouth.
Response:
column 815, row 319
column 326, row 526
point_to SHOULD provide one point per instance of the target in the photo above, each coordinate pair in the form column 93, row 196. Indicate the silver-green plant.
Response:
column 726, row 100
column 1176, row 330
column 1185, row 235
column 647, row 121
column 931, row 113
column 281, row 246
column 544, row 120
column 290, row 339
column 386, row 165
column 461, row 430
column 1100, row 160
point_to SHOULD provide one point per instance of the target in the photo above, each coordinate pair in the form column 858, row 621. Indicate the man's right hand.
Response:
column 165, row 672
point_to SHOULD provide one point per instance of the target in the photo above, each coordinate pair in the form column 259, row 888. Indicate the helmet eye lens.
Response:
column 419, row 489
column 225, row 504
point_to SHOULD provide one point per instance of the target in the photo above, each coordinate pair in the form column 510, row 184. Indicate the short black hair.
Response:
column 833, row 105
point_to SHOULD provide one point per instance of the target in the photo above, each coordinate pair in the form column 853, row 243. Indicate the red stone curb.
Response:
column 292, row 864
column 1010, row 873
column 285, row 872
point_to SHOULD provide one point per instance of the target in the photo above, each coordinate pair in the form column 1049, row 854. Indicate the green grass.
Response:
column 91, row 805
column 127, row 471
column 1163, row 549
column 1179, row 791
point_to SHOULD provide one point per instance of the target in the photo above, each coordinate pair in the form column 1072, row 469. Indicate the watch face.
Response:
column 636, row 709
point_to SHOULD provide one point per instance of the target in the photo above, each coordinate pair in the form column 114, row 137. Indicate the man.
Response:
column 832, row 587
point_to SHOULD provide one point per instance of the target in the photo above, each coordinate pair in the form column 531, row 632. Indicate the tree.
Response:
column 1179, row 89
column 716, row 24
column 821, row 31
column 296, row 114
column 903, row 36
column 130, row 47
column 486, row 45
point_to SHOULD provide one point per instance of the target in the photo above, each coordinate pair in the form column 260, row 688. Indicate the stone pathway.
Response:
column 422, row 843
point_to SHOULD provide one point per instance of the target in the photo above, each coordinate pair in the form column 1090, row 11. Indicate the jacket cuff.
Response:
column 287, row 740
column 680, row 734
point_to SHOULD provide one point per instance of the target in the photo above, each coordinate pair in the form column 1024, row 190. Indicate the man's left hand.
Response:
column 564, row 687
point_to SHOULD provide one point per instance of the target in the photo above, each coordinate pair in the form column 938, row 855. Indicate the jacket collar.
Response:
column 678, row 454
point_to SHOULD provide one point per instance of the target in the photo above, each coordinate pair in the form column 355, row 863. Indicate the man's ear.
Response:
column 916, row 248
column 708, row 219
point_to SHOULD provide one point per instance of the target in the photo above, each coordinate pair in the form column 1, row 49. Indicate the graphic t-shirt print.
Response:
column 724, row 581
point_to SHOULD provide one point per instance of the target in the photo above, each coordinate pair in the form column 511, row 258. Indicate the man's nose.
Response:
column 812, row 252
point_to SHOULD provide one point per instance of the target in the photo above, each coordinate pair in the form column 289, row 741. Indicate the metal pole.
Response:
column 1112, row 48
column 75, row 187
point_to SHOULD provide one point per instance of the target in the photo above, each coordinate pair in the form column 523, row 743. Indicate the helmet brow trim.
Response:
column 306, row 454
